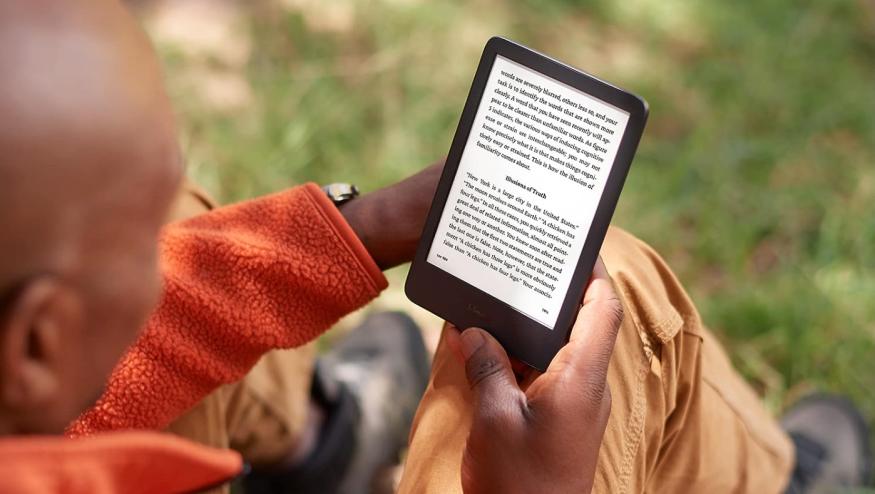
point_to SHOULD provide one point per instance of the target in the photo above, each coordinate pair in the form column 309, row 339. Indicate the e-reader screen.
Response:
column 527, row 188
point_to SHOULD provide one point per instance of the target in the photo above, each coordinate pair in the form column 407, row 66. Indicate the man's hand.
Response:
column 545, row 438
column 390, row 220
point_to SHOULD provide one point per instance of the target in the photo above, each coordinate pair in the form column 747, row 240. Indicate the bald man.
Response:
column 89, row 166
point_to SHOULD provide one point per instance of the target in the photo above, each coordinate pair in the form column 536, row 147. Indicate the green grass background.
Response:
column 755, row 177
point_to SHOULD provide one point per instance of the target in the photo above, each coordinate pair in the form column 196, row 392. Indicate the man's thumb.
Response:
column 488, row 368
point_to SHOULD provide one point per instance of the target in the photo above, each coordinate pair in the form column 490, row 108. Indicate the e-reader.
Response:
column 530, row 183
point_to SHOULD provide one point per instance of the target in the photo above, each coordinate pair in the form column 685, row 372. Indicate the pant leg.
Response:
column 682, row 419
column 269, row 411
column 261, row 416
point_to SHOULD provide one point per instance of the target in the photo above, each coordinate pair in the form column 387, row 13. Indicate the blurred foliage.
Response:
column 755, row 178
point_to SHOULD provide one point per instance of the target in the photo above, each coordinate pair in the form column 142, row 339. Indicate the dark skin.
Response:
column 89, row 166
column 84, row 133
column 390, row 220
column 549, row 427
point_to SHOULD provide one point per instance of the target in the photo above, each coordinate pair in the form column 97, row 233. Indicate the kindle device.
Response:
column 528, row 190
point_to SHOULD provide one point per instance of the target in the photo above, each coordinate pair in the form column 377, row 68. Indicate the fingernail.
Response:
column 471, row 341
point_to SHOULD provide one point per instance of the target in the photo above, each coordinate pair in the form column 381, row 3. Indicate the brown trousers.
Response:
column 682, row 421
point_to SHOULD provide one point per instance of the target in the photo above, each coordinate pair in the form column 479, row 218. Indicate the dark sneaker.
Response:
column 832, row 445
column 369, row 385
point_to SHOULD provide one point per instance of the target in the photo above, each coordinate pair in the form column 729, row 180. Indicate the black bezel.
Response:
column 464, row 304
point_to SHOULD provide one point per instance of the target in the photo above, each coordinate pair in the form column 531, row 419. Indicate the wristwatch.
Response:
column 340, row 193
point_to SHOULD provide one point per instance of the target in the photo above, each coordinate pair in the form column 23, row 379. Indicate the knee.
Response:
column 655, row 300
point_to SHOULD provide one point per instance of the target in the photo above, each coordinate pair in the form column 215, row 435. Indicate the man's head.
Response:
column 89, row 164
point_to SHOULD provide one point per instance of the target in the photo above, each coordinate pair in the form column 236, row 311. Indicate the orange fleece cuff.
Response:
column 335, row 218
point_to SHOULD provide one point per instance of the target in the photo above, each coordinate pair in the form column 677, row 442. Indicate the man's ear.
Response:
column 31, row 342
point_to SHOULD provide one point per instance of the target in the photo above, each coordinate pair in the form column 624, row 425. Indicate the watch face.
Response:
column 340, row 193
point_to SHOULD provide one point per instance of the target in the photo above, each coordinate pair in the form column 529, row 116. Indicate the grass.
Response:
column 755, row 178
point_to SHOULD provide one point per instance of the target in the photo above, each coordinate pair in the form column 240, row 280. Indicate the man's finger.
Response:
column 600, row 288
column 489, row 373
column 595, row 330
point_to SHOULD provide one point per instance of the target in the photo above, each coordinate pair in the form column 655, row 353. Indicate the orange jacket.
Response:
column 273, row 272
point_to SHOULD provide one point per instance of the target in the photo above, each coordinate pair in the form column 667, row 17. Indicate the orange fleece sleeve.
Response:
column 273, row 272
column 133, row 462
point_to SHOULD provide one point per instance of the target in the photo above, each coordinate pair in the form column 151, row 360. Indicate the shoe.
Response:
column 369, row 386
column 832, row 445
column 385, row 365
